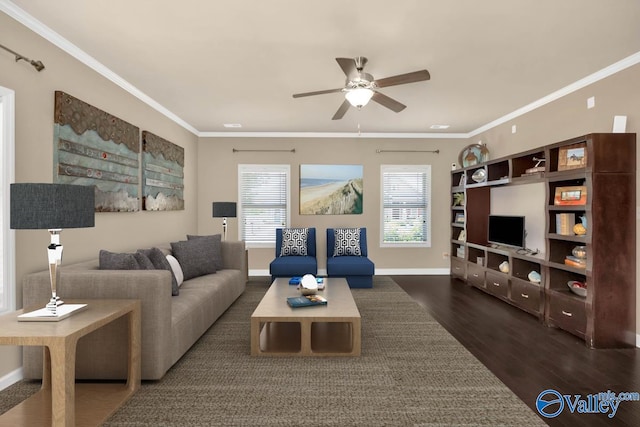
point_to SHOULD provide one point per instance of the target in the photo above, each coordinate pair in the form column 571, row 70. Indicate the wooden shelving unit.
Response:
column 605, row 318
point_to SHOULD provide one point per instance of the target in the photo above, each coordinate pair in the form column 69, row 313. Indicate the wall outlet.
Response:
column 591, row 102
column 445, row 255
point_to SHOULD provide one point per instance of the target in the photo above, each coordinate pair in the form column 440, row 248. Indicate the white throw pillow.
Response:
column 177, row 270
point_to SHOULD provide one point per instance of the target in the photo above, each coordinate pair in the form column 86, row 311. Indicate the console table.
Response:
column 61, row 402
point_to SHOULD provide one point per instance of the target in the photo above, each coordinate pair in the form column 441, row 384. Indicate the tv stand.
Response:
column 590, row 178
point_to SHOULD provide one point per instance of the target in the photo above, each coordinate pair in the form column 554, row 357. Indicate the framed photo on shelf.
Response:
column 572, row 156
column 565, row 196
column 459, row 217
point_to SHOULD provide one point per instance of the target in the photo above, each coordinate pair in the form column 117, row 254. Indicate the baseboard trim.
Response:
column 379, row 272
column 11, row 378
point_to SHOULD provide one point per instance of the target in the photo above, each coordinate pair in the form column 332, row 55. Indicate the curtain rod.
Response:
column 408, row 151
column 38, row 65
column 235, row 150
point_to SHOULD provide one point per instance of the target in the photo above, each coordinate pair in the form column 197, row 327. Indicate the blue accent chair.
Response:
column 358, row 270
column 291, row 266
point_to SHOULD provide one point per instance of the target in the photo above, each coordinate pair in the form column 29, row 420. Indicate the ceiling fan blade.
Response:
column 318, row 92
column 341, row 111
column 401, row 79
column 348, row 66
column 390, row 103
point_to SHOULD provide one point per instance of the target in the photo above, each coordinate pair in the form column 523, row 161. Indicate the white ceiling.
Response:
column 213, row 62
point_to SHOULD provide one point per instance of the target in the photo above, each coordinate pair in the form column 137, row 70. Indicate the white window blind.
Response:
column 406, row 205
column 264, row 202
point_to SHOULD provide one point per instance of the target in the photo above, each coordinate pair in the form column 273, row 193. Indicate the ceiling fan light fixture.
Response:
column 359, row 97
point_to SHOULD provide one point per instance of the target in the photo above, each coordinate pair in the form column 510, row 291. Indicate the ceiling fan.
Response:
column 360, row 87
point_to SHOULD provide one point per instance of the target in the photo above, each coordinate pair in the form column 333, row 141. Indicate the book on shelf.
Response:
column 306, row 301
column 565, row 223
column 575, row 262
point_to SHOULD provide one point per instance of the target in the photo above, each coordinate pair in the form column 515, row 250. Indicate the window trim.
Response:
column 406, row 168
column 267, row 168
column 7, row 145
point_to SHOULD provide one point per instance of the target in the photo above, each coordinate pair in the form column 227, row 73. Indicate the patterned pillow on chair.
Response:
column 347, row 242
column 294, row 242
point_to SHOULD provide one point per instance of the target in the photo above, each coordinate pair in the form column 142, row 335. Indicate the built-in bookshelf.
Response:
column 589, row 236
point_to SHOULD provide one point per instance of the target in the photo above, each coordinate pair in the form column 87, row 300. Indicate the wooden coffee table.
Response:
column 61, row 402
column 324, row 330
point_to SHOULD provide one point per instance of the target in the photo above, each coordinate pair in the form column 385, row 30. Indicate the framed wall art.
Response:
column 95, row 148
column 331, row 189
column 162, row 174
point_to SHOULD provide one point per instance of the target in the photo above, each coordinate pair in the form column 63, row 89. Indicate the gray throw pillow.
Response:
column 216, row 241
column 117, row 261
column 159, row 262
column 195, row 257
column 144, row 263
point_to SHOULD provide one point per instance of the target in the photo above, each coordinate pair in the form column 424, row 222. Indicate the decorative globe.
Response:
column 579, row 252
column 579, row 229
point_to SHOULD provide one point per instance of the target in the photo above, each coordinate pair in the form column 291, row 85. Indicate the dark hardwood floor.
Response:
column 526, row 355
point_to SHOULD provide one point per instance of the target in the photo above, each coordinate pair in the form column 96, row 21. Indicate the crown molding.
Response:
column 393, row 135
column 48, row 34
column 39, row 28
column 627, row 62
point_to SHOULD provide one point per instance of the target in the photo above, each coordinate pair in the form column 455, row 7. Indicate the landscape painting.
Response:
column 331, row 189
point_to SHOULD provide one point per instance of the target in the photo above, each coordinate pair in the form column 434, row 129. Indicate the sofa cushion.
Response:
column 144, row 263
column 294, row 242
column 159, row 262
column 176, row 270
column 117, row 261
column 216, row 241
column 195, row 257
column 347, row 242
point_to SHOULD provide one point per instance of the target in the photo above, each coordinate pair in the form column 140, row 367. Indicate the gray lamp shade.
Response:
column 224, row 209
column 51, row 206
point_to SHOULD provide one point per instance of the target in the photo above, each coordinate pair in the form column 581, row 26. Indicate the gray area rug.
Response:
column 411, row 373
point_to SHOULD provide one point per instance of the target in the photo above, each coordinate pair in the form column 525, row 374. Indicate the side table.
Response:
column 60, row 401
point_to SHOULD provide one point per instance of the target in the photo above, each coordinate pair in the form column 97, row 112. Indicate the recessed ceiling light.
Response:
column 232, row 125
column 439, row 126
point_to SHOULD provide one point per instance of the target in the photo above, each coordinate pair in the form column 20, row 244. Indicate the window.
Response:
column 7, row 246
column 264, row 202
column 406, row 205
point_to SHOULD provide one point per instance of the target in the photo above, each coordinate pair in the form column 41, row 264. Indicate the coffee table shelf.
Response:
column 331, row 330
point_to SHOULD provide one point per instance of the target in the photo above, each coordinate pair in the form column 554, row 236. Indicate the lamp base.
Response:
column 53, row 304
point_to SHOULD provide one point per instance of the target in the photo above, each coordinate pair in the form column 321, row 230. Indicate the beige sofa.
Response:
column 170, row 324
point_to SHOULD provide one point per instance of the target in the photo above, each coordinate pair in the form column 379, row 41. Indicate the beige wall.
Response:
column 218, row 181
column 34, row 96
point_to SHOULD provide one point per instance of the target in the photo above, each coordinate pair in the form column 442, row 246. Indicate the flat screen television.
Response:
column 507, row 231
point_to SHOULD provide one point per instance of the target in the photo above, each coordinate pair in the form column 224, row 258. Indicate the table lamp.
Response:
column 52, row 207
column 224, row 210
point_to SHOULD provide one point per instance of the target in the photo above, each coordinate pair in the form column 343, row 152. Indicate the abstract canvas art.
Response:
column 162, row 174
column 95, row 148
column 331, row 189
